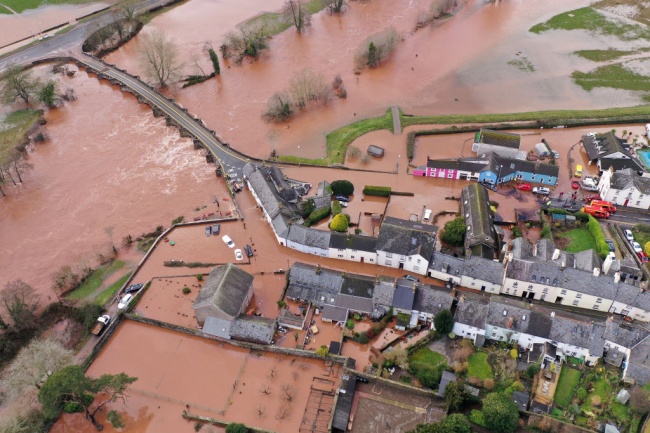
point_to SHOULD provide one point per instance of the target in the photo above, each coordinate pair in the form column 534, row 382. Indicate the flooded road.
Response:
column 108, row 163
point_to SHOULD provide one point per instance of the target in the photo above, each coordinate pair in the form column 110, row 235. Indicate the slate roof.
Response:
column 475, row 206
column 308, row 236
column 521, row 400
column 509, row 166
column 587, row 260
column 226, row 288
column 522, row 249
column 540, row 324
column 620, row 164
column 448, row 264
column 217, row 327
column 431, row 300
column 354, row 303
column 509, row 314
column 305, row 283
column 344, row 403
column 624, row 334
column 484, row 269
column 253, row 329
column 443, row 163
column 472, row 310
column 335, row 314
column 358, row 285
column 404, row 295
column 408, row 238
column 282, row 186
column 625, row 180
column 602, row 145
column 499, row 138
column 579, row 333
column 484, row 149
column 638, row 367
column 384, row 292
column 354, row 242
column 632, row 295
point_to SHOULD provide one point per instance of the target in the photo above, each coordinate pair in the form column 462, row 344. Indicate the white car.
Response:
column 629, row 235
column 343, row 204
column 226, row 239
column 238, row 254
column 124, row 301
column 637, row 248
column 541, row 190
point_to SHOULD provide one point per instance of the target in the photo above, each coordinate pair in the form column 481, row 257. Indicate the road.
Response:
column 623, row 215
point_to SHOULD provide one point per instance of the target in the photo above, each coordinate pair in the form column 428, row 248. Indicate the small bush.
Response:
column 546, row 232
column 597, row 232
column 477, row 417
column 281, row 304
column 405, row 379
column 342, row 187
column 349, row 324
column 72, row 407
column 186, row 290
column 376, row 49
column 377, row 191
column 199, row 277
column 582, row 217
column 336, row 208
column 178, row 220
column 488, row 384
column 357, row 317
column 514, row 354
column 278, row 108
column 532, row 370
column 370, row 332
column 340, row 223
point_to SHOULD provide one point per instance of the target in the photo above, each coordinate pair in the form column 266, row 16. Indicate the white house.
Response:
column 625, row 188
column 405, row 245
column 469, row 320
column 483, row 274
column 308, row 240
column 356, row 248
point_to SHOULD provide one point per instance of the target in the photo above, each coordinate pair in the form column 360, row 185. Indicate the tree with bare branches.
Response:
column 296, row 12
column 309, row 86
column 18, row 83
column 259, row 410
column 288, row 392
column 265, row 389
column 335, row 6
column 18, row 303
column 283, row 412
column 159, row 59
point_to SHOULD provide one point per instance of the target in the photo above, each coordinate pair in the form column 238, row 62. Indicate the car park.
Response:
column 342, row 198
column 410, row 278
column 249, row 250
column 226, row 240
column 133, row 288
column 610, row 244
column 628, row 235
column 124, row 301
column 643, row 257
column 524, row 186
column 216, row 229
column 238, row 254
column 541, row 190
column 636, row 247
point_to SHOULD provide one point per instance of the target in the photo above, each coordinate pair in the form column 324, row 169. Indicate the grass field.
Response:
column 614, row 76
column 591, row 20
column 107, row 294
column 275, row 23
column 566, row 387
column 579, row 240
column 426, row 356
column 641, row 233
column 146, row 18
column 21, row 5
column 479, row 367
column 13, row 131
column 94, row 281
column 602, row 55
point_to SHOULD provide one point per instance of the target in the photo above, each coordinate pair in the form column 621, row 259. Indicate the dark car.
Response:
column 610, row 244
column 235, row 186
column 216, row 229
column 411, row 278
column 342, row 198
column 133, row 288
column 249, row 250
column 362, row 379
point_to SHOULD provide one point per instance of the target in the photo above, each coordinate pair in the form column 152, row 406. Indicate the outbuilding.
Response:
column 375, row 151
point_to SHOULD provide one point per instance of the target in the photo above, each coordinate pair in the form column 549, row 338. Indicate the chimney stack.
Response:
column 596, row 272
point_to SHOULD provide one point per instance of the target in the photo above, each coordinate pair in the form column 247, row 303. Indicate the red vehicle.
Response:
column 591, row 197
column 596, row 211
column 575, row 184
column 607, row 205
column 643, row 257
column 524, row 186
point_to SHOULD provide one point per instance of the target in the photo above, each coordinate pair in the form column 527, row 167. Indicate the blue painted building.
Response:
column 502, row 170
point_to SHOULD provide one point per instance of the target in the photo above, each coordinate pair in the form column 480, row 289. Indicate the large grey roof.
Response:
column 309, row 236
column 358, row 285
column 624, row 180
column 354, row 303
column 334, row 313
column 587, row 260
column 639, row 363
column 253, row 328
column 602, row 145
column 354, row 242
column 282, row 186
column 446, row 379
column 521, row 400
column 509, row 314
column 431, row 300
column 499, row 138
column 217, row 327
column 384, row 292
column 309, row 283
column 226, row 288
column 632, row 295
column 448, row 264
column 472, row 310
column 344, row 403
column 580, row 333
column 405, row 237
column 484, row 269
column 475, row 206
column 507, row 166
column 404, row 295
column 624, row 334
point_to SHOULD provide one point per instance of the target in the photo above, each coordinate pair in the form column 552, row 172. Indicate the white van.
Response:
column 427, row 215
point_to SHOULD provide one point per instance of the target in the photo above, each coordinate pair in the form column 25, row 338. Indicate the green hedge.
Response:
column 317, row 215
column 597, row 232
column 378, row 191
column 336, row 208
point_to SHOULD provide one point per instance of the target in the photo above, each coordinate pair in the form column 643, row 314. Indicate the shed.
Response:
column 447, row 377
column 375, row 151
column 541, row 150
column 335, row 348
column 623, row 396
column 521, row 400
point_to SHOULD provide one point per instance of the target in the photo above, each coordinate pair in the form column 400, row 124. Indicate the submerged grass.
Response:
column 21, row 5
column 591, row 20
column 275, row 23
column 602, row 55
column 107, row 294
column 94, row 281
column 13, row 131
column 147, row 17
column 614, row 76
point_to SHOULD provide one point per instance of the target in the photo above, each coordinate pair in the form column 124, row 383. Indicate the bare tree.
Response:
column 19, row 165
column 307, row 86
column 159, row 59
column 272, row 373
column 278, row 108
column 289, row 392
column 376, row 48
column 265, row 389
column 246, row 43
column 398, row 357
column 33, row 364
column 283, row 412
column 295, row 11
column 354, row 152
column 18, row 83
column 259, row 410
column 64, row 279
column 19, row 302
column 335, row 6
column 639, row 400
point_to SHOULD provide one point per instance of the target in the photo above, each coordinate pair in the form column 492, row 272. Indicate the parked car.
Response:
column 636, row 247
column 591, row 197
column 133, row 288
column 524, row 186
column 556, row 154
column 208, row 231
column 643, row 257
column 628, row 235
column 343, row 204
column 124, row 301
column 575, row 184
column 610, row 244
column 342, row 198
column 362, row 379
column 410, row 278
column 238, row 254
column 235, row 186
column 541, row 190
column 578, row 172
column 226, row 239
column 249, row 250
column 216, row 229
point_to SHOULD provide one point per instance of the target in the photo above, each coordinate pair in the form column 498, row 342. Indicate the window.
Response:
column 515, row 284
column 576, row 302
column 351, row 257
column 389, row 263
column 638, row 202
column 563, row 292
column 595, row 307
column 543, row 297
column 530, row 287
column 340, row 256
column 545, row 291
column 371, row 260
column 450, row 175
column 599, row 300
column 416, row 268
column 410, row 258
column 579, row 295
column 389, row 256
column 419, row 261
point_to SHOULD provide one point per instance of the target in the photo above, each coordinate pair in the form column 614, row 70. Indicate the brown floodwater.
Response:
column 428, row 68
column 108, row 163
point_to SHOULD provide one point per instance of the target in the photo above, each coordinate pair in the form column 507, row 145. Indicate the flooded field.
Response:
column 176, row 372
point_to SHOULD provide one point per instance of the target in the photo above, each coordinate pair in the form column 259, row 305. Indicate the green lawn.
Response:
column 614, row 76
column 566, row 387
column 591, row 20
column 275, row 23
column 479, row 367
column 602, row 55
column 107, row 294
column 428, row 357
column 602, row 389
column 13, row 131
column 579, row 240
column 94, row 281
column 641, row 233
column 21, row 5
